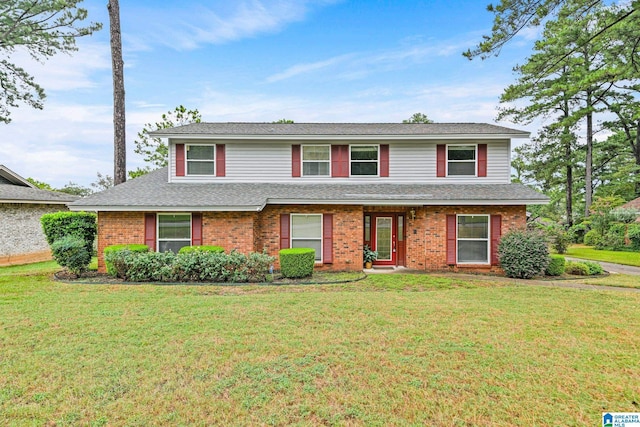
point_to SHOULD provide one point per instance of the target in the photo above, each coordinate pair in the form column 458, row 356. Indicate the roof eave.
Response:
column 305, row 137
column 38, row 202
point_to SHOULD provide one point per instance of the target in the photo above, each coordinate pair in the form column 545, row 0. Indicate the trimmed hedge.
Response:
column 577, row 268
column 556, row 266
column 60, row 224
column 202, row 248
column 114, row 248
column 594, row 267
column 523, row 254
column 297, row 262
column 71, row 253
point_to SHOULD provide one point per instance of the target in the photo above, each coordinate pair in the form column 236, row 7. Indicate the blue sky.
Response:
column 258, row 60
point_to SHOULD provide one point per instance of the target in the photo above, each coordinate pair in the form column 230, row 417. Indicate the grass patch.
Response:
column 620, row 280
column 617, row 257
column 388, row 350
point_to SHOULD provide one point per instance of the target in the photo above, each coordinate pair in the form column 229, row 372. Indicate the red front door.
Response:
column 384, row 233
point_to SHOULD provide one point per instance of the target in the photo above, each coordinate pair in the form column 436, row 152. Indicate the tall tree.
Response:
column 42, row 28
column 119, row 135
column 418, row 118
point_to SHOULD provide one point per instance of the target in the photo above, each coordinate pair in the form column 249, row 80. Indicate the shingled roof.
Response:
column 153, row 192
column 15, row 189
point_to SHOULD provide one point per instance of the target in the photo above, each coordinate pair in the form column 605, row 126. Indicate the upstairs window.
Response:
column 201, row 159
column 174, row 232
column 364, row 160
column 461, row 160
column 316, row 160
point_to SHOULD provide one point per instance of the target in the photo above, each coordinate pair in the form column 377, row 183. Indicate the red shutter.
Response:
column 150, row 231
column 482, row 159
column 220, row 160
column 179, row 159
column 284, row 231
column 295, row 160
column 327, row 238
column 496, row 233
column 196, row 229
column 384, row 160
column 441, row 161
column 451, row 239
column 340, row 161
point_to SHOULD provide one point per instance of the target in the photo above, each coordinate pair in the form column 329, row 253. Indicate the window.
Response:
column 316, row 160
column 306, row 232
column 174, row 232
column 461, row 160
column 201, row 160
column 364, row 160
column 473, row 239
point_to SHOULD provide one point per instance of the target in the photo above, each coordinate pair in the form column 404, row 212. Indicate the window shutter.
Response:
column 295, row 160
column 220, row 160
column 340, row 161
column 384, row 160
column 482, row 159
column 284, row 231
column 496, row 233
column 451, row 239
column 441, row 160
column 327, row 238
column 150, row 231
column 196, row 229
column 179, row 159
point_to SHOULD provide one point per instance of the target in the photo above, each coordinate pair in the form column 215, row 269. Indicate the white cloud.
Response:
column 307, row 68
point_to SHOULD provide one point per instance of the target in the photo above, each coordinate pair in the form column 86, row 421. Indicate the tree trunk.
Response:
column 588, row 186
column 119, row 136
column 636, row 152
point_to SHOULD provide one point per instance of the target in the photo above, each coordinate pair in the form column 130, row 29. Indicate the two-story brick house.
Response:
column 425, row 196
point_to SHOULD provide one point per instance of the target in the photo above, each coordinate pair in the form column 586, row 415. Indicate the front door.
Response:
column 384, row 233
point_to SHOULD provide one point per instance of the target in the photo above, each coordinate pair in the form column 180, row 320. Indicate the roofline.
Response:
column 12, row 176
column 332, row 137
column 38, row 202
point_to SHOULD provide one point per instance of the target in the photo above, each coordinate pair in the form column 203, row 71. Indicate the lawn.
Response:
column 617, row 257
column 388, row 350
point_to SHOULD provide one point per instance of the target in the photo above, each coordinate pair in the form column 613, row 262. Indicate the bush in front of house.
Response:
column 594, row 268
column 576, row 268
column 592, row 237
column 556, row 266
column 633, row 233
column 60, row 224
column 201, row 248
column 111, row 270
column 71, row 253
column 297, row 262
column 614, row 238
column 523, row 254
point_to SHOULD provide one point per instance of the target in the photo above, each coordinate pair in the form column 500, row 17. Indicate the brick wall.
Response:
column 118, row 228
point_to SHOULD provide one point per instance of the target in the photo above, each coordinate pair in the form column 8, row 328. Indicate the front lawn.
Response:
column 616, row 257
column 389, row 350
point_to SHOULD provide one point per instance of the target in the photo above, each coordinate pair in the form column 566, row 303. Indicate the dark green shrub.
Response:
column 203, row 248
column 560, row 240
column 594, row 267
column 148, row 266
column 297, row 262
column 633, row 233
column 523, row 254
column 115, row 248
column 556, row 266
column 576, row 268
column 614, row 238
column 71, row 253
column 592, row 238
column 60, row 224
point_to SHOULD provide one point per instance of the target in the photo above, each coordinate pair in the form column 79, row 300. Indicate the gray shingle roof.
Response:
column 333, row 129
column 15, row 189
column 154, row 192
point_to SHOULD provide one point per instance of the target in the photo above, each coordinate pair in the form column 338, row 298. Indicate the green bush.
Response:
column 60, row 224
column 297, row 262
column 204, row 248
column 111, row 270
column 560, row 240
column 594, row 267
column 556, row 265
column 592, row 238
column 576, row 268
column 523, row 254
column 633, row 233
column 71, row 253
column 614, row 238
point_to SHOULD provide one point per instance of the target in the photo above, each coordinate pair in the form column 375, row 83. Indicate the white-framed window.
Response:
column 364, row 160
column 174, row 231
column 461, row 160
column 473, row 239
column 306, row 232
column 316, row 160
column 201, row 159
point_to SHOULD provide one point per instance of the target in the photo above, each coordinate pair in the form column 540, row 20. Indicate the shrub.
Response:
column 592, row 238
column 594, row 267
column 214, row 249
column 560, row 240
column 297, row 262
column 60, row 224
column 556, row 266
column 523, row 254
column 614, row 238
column 633, row 233
column 71, row 253
column 576, row 268
column 114, row 248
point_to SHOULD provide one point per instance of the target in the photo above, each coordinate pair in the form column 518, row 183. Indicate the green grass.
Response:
column 620, row 280
column 388, row 350
column 617, row 257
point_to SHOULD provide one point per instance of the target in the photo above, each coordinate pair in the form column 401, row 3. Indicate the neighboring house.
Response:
column 633, row 205
column 21, row 206
column 425, row 196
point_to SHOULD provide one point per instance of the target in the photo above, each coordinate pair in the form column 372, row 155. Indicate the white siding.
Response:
column 409, row 162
